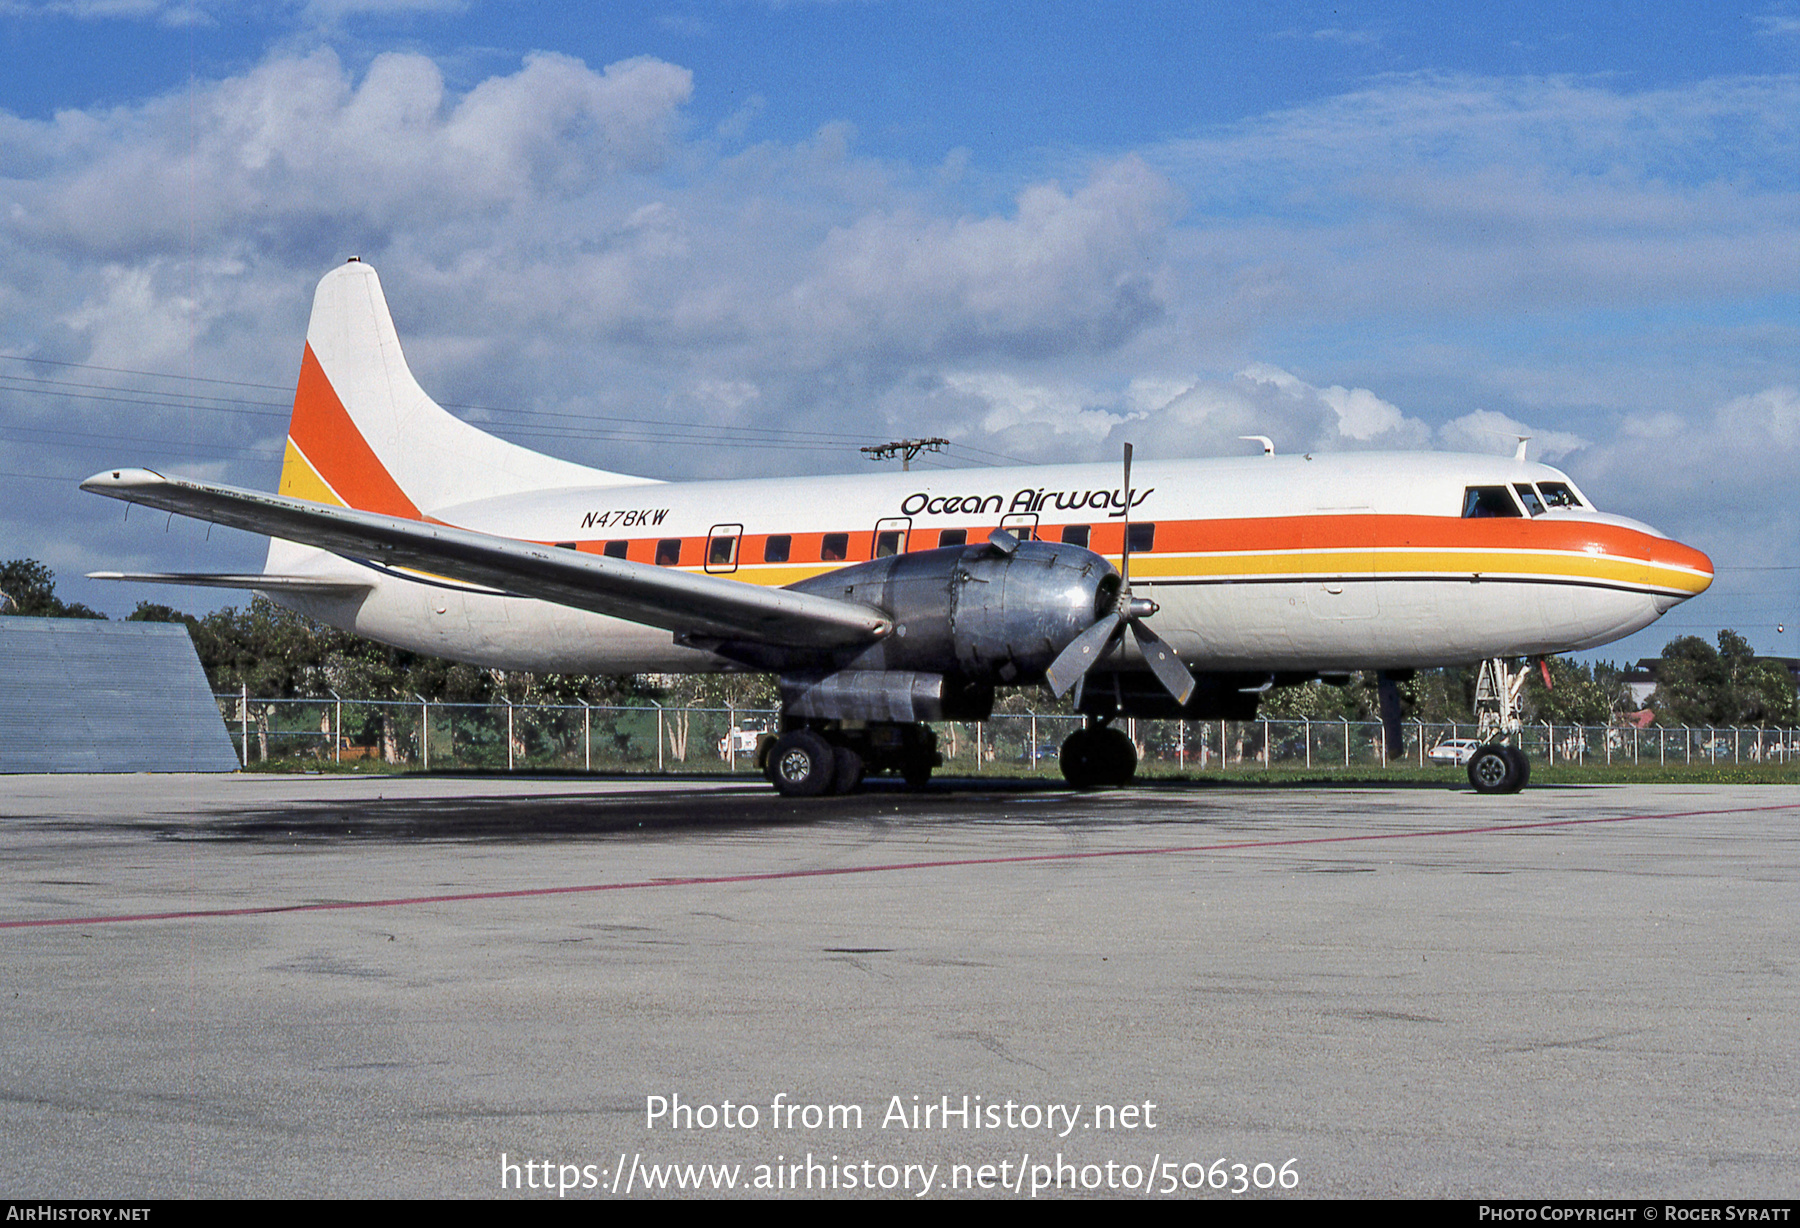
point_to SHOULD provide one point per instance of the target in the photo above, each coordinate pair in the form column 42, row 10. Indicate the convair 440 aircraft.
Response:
column 884, row 602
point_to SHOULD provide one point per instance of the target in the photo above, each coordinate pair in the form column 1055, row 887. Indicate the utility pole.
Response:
column 905, row 449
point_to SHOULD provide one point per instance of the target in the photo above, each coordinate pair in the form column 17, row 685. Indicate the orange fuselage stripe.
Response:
column 1293, row 547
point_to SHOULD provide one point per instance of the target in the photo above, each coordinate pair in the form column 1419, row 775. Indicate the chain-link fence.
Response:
column 583, row 737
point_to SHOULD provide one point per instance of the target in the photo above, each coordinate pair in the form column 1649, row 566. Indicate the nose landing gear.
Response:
column 1498, row 767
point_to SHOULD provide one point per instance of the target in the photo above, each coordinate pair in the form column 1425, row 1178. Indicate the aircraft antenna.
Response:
column 905, row 449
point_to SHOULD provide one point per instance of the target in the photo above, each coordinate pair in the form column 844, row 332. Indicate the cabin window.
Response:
column 616, row 550
column 1075, row 535
column 668, row 552
column 721, row 552
column 835, row 548
column 953, row 537
column 1143, row 538
column 1483, row 502
column 775, row 550
column 1529, row 498
column 565, row 545
column 1558, row 494
column 888, row 542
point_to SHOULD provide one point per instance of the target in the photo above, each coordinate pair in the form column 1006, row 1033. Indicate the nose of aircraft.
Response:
column 1682, row 571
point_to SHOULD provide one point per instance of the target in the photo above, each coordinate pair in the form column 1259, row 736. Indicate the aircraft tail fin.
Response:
column 364, row 435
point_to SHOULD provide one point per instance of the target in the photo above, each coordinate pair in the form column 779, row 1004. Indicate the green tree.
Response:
column 153, row 612
column 31, row 587
column 1579, row 694
column 1697, row 684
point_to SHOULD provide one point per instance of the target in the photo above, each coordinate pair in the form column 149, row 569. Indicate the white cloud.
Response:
column 1065, row 273
column 1487, row 431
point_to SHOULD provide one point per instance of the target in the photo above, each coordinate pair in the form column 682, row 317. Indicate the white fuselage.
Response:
column 1280, row 563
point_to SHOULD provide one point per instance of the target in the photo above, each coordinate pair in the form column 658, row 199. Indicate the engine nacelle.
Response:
column 979, row 612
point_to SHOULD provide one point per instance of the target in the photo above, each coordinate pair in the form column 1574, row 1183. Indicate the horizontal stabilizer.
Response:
column 317, row 585
column 681, row 602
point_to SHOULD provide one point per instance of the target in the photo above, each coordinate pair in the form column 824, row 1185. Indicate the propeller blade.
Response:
column 1163, row 662
column 1073, row 663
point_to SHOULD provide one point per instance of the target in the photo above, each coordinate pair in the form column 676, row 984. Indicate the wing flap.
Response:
column 678, row 601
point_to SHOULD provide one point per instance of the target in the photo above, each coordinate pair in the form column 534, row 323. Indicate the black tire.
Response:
column 1096, row 758
column 847, row 775
column 1117, row 755
column 1493, row 769
column 804, row 764
column 1521, row 766
column 1080, row 760
column 916, row 770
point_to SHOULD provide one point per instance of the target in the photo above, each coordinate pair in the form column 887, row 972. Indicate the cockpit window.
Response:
column 1481, row 502
column 1529, row 498
column 1558, row 494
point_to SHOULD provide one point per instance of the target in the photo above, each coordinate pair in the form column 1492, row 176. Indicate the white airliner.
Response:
column 887, row 601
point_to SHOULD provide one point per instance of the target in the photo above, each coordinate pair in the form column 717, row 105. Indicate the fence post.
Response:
column 1346, row 721
column 659, row 735
column 424, row 731
column 244, row 721
column 587, row 736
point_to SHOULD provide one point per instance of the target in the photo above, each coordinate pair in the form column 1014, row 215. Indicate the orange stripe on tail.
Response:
column 328, row 460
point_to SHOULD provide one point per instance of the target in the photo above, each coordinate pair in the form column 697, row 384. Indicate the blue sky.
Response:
column 1038, row 230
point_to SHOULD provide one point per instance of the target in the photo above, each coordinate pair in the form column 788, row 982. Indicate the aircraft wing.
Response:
column 679, row 601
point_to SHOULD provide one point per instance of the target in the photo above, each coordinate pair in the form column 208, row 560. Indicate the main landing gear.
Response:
column 809, row 761
column 1097, row 756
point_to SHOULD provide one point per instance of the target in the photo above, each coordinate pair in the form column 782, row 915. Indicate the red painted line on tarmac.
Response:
column 891, row 867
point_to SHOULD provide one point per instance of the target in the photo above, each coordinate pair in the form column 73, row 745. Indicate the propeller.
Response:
column 1127, row 616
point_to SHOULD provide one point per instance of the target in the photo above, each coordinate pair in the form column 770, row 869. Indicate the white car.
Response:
column 1454, row 750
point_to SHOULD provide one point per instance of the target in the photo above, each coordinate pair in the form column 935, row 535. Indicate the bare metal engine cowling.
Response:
column 977, row 612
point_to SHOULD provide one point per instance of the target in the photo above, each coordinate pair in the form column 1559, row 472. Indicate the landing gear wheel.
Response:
column 1080, row 760
column 847, row 775
column 802, row 764
column 1119, row 756
column 1498, row 769
column 1092, row 758
column 1521, row 765
column 916, row 770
